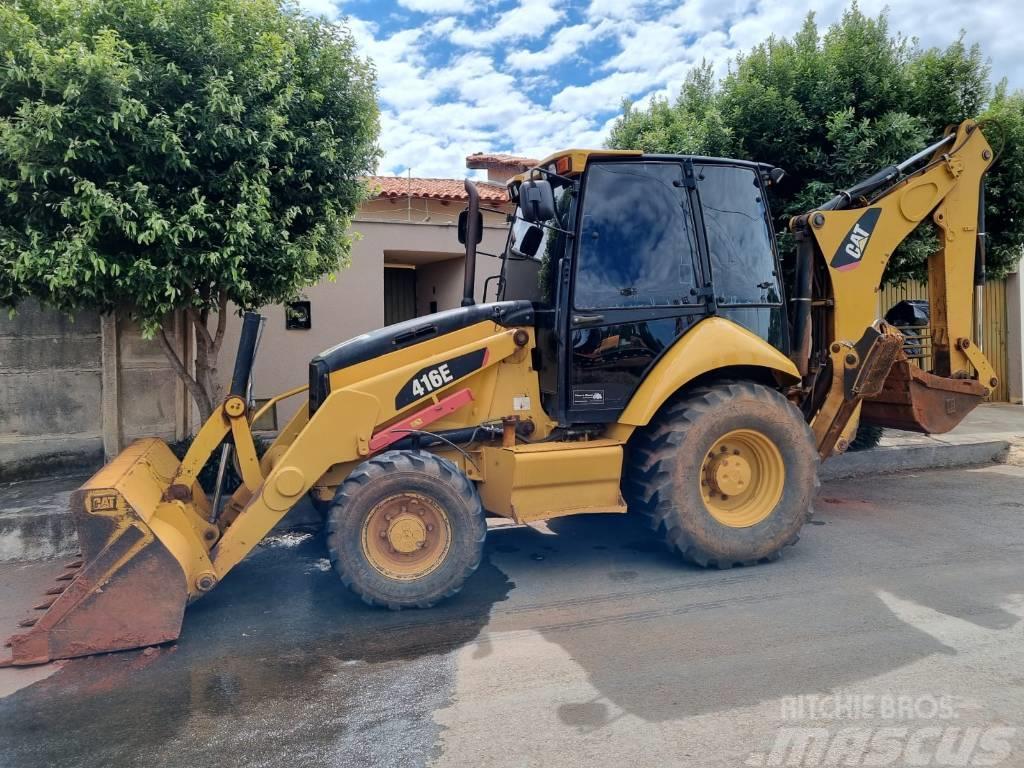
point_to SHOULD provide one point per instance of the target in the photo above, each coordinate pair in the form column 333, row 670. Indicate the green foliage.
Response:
column 832, row 109
column 166, row 154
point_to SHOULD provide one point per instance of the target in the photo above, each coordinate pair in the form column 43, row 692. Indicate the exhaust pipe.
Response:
column 473, row 235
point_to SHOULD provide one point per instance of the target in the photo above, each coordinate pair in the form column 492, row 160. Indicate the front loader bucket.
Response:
column 130, row 587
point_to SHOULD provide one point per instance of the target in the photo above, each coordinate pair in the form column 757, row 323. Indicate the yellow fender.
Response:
column 713, row 344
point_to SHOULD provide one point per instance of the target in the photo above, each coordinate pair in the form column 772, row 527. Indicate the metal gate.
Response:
column 399, row 294
column 995, row 342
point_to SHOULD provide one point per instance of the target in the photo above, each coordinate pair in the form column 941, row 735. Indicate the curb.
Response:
column 902, row 458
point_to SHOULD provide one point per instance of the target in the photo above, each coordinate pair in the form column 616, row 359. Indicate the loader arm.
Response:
column 848, row 357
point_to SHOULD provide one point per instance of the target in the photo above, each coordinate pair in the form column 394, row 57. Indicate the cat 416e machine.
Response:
column 645, row 353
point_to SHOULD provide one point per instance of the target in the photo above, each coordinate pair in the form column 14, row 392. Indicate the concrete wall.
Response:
column 151, row 399
column 74, row 392
column 50, row 392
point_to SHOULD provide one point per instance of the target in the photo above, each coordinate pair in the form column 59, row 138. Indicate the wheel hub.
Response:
column 729, row 473
column 406, row 536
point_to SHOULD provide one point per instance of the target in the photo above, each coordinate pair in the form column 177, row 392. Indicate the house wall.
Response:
column 440, row 281
column 354, row 302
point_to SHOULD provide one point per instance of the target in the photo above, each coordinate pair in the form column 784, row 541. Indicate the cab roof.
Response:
column 572, row 162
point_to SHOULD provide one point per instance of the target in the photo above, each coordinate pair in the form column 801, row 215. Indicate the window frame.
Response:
column 773, row 240
column 698, row 252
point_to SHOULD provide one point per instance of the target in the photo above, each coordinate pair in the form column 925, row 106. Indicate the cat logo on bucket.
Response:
column 852, row 248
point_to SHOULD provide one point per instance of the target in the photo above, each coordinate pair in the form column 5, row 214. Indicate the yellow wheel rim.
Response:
column 406, row 536
column 742, row 478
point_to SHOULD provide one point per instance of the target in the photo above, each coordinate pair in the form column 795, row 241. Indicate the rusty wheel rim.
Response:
column 406, row 536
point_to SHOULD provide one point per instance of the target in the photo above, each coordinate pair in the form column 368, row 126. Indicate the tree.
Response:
column 832, row 109
column 161, row 155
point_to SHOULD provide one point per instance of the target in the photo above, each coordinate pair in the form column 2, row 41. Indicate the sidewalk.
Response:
column 985, row 436
column 35, row 523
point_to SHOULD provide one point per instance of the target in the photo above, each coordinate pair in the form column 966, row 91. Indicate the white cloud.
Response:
column 564, row 43
column 648, row 46
column 614, row 9
column 601, row 95
column 326, row 8
column 437, row 6
column 530, row 18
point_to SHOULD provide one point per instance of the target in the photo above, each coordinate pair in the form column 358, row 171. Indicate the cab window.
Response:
column 739, row 240
column 636, row 245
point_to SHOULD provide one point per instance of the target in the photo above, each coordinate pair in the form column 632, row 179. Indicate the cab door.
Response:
column 637, row 280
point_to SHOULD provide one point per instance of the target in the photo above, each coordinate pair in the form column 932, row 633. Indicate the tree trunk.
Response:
column 203, row 385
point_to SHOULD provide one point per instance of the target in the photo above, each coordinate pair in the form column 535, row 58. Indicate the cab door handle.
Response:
column 587, row 319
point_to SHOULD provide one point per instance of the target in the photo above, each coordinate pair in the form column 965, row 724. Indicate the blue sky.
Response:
column 532, row 76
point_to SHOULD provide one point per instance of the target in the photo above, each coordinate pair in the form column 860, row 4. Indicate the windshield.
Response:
column 532, row 277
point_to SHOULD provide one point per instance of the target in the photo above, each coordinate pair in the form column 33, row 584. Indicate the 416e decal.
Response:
column 428, row 380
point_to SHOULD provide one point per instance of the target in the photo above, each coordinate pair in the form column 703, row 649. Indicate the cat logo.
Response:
column 852, row 249
column 106, row 502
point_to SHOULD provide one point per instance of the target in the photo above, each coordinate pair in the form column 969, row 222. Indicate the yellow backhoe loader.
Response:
column 641, row 354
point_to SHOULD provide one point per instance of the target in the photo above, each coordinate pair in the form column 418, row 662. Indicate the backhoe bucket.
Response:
column 918, row 401
column 139, row 551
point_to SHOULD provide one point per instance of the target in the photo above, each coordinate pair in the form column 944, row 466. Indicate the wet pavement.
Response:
column 583, row 643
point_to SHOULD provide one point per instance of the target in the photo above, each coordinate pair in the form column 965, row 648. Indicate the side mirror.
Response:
column 529, row 243
column 464, row 226
column 537, row 201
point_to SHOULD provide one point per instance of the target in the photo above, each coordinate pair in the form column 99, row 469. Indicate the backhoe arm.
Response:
column 850, row 240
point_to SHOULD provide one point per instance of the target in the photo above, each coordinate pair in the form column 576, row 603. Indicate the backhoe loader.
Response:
column 642, row 353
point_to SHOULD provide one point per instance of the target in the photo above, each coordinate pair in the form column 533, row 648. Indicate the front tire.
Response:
column 406, row 529
column 726, row 475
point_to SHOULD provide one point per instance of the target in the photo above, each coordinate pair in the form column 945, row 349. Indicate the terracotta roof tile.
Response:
column 433, row 189
column 480, row 160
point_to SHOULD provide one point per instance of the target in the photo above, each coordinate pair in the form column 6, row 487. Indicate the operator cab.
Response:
column 621, row 254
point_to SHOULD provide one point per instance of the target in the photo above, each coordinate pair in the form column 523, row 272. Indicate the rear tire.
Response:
column 725, row 475
column 406, row 529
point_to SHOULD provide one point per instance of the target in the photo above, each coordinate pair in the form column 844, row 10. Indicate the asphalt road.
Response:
column 901, row 609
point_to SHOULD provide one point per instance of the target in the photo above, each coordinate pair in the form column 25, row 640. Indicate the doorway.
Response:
column 399, row 294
